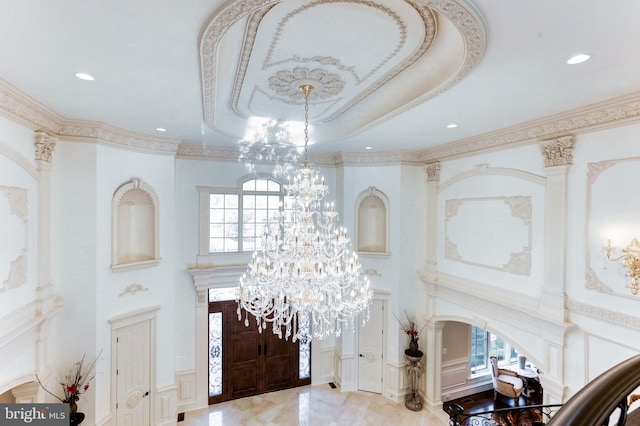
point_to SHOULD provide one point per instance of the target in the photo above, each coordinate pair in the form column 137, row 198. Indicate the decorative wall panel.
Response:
column 611, row 215
column 493, row 233
column 13, row 229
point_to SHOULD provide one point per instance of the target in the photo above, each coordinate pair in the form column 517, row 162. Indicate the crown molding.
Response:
column 399, row 157
column 610, row 113
column 26, row 110
column 22, row 108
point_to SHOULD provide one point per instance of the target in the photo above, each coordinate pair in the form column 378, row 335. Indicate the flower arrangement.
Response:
column 410, row 328
column 75, row 381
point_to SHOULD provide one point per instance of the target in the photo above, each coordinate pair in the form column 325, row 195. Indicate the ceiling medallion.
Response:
column 287, row 83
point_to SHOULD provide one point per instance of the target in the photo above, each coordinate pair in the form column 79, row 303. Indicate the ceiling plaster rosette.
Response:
column 251, row 53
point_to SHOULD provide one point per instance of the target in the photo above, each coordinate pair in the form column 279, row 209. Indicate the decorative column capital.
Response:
column 45, row 144
column 433, row 172
column 558, row 152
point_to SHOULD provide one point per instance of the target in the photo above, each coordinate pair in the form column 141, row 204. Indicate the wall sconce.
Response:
column 630, row 260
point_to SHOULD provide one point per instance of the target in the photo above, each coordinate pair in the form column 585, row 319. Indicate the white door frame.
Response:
column 125, row 320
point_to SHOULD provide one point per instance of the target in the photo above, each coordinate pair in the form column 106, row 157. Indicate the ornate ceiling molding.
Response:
column 616, row 111
column 19, row 106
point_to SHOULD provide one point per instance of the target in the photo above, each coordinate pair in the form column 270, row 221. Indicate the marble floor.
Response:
column 312, row 405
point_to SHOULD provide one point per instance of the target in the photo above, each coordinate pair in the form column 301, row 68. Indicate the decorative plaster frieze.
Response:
column 108, row 135
column 45, row 144
column 132, row 289
column 558, row 152
column 287, row 82
column 375, row 159
column 433, row 172
column 613, row 317
column 592, row 282
column 19, row 106
column 594, row 170
column 371, row 272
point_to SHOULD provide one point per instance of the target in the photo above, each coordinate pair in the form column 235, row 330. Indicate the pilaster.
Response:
column 433, row 354
column 433, row 178
column 557, row 160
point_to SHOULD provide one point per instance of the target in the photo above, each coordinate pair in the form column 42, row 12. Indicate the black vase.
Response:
column 75, row 418
column 413, row 345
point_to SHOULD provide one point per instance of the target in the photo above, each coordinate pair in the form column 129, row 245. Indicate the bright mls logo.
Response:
column 34, row 414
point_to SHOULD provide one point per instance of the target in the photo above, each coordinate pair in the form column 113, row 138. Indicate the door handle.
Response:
column 146, row 394
column 361, row 356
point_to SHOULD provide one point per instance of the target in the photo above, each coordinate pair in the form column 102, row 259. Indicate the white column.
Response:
column 433, row 354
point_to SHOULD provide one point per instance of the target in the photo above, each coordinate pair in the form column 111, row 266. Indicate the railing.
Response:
column 605, row 395
column 602, row 402
column 534, row 415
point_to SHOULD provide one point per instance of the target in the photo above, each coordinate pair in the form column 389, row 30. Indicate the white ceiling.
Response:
column 389, row 74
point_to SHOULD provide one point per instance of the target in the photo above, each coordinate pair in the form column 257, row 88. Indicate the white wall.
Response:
column 601, row 326
column 19, row 318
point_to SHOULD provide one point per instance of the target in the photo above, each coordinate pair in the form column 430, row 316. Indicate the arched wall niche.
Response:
column 372, row 222
column 134, row 226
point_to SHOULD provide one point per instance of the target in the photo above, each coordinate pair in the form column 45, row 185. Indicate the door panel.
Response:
column 133, row 375
column 253, row 362
column 370, row 350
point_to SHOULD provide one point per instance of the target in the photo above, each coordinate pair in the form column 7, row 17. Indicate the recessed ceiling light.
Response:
column 84, row 76
column 578, row 59
column 368, row 147
column 452, row 126
column 161, row 129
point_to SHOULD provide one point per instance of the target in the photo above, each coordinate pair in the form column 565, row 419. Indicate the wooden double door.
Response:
column 253, row 362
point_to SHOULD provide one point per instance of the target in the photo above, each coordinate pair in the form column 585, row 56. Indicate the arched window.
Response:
column 239, row 216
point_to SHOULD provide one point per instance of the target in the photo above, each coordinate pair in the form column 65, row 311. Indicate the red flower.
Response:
column 72, row 389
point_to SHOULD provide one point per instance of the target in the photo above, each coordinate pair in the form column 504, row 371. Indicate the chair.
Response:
column 505, row 382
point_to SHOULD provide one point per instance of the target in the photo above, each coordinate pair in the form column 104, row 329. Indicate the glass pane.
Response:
column 224, row 293
column 261, row 185
column 231, row 201
column 216, row 215
column 248, row 231
column 216, row 230
column 496, row 347
column 261, row 201
column 274, row 202
column 262, row 216
column 249, row 185
column 248, row 215
column 215, row 353
column 231, row 230
column 248, row 201
column 305, row 360
column 231, row 216
column 478, row 349
column 249, row 244
column 216, row 200
column 274, row 186
column 231, row 245
column 216, row 245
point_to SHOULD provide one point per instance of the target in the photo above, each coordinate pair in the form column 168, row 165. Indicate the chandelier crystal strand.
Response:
column 304, row 278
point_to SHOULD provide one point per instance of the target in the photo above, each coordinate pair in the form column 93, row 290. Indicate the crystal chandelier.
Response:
column 304, row 278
